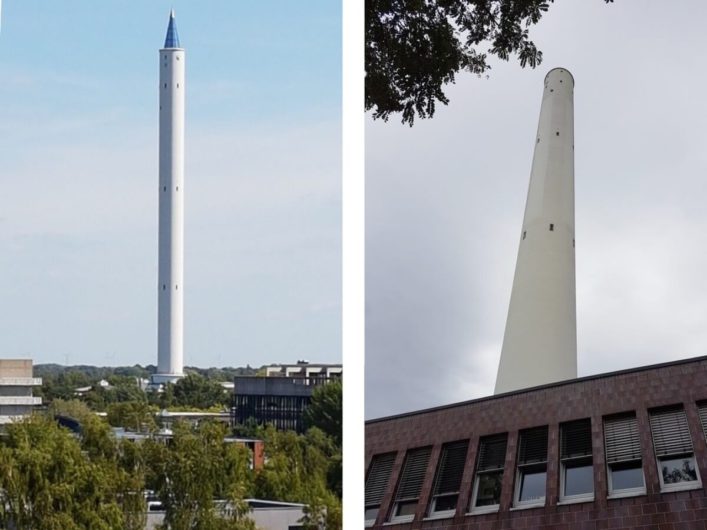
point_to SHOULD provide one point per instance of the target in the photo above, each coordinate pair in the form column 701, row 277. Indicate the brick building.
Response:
column 619, row 450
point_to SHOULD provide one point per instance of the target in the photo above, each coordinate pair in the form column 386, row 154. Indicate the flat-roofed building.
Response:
column 280, row 397
column 312, row 372
column 16, row 382
column 624, row 449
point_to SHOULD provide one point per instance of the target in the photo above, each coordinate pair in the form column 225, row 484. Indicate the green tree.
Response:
column 72, row 408
column 196, row 391
column 197, row 469
column 137, row 416
column 415, row 47
column 325, row 411
column 297, row 469
column 49, row 483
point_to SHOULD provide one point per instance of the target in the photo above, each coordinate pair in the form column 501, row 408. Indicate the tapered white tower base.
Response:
column 540, row 342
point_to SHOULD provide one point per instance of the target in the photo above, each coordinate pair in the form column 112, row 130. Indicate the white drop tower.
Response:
column 540, row 341
column 170, row 340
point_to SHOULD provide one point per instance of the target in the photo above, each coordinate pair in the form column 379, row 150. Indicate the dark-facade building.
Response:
column 276, row 399
column 619, row 450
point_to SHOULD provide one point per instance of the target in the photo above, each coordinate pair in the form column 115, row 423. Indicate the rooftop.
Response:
column 541, row 387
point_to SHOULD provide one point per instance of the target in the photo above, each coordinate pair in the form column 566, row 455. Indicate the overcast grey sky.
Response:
column 445, row 200
column 78, row 181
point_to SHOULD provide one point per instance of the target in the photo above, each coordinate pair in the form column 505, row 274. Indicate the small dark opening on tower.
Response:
column 165, row 85
column 538, row 140
column 177, row 188
column 552, row 90
column 164, row 287
column 176, row 287
column 164, row 188
column 573, row 243
column 524, row 234
column 552, row 227
column 557, row 133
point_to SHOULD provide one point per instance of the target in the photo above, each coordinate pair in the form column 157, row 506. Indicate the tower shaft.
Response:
column 170, row 358
column 540, row 340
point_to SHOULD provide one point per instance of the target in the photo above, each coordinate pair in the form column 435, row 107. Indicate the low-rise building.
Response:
column 625, row 449
column 267, row 515
column 16, row 382
column 281, row 396
column 311, row 372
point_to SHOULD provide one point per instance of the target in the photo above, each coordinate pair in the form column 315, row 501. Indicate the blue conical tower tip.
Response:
column 172, row 38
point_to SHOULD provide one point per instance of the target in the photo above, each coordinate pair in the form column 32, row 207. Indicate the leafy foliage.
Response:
column 196, row 468
column 51, row 479
column 297, row 469
column 48, row 483
column 136, row 416
column 197, row 391
column 325, row 411
column 415, row 47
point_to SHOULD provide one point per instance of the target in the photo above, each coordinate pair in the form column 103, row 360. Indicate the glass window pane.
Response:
column 627, row 475
column 489, row 489
column 406, row 508
column 371, row 513
column 579, row 479
column 532, row 486
column 676, row 470
column 446, row 502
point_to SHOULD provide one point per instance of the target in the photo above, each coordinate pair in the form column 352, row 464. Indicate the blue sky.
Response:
column 78, row 210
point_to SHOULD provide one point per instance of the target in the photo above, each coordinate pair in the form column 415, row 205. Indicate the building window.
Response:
column 376, row 482
column 576, row 468
column 445, row 493
column 702, row 409
column 489, row 473
column 410, row 484
column 673, row 449
column 531, row 474
column 623, row 456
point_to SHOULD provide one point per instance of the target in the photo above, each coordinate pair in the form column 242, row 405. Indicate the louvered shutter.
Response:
column 378, row 476
column 576, row 439
column 671, row 434
column 703, row 417
column 451, row 467
column 621, row 439
column 492, row 452
column 413, row 473
column 533, row 446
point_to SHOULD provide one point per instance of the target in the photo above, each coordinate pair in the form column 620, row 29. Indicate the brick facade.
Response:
column 677, row 383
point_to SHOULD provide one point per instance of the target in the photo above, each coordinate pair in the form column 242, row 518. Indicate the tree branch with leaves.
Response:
column 414, row 48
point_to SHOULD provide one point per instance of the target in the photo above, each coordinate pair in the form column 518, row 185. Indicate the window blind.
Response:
column 703, row 417
column 533, row 446
column 451, row 467
column 413, row 473
column 621, row 439
column 671, row 434
column 378, row 475
column 576, row 439
column 492, row 452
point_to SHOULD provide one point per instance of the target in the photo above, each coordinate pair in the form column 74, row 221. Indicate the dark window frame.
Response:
column 575, row 452
column 531, row 459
